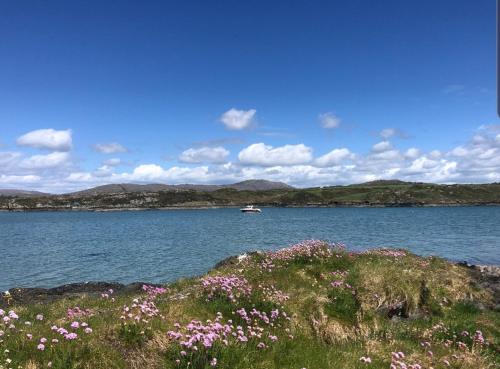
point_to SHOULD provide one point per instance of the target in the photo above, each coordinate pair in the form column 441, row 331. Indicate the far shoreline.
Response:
column 183, row 207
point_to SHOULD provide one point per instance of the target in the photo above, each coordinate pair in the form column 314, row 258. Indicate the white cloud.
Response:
column 153, row 172
column 477, row 160
column 412, row 153
column 265, row 155
column 109, row 148
column 390, row 155
column 80, row 177
column 48, row 139
column 382, row 146
column 435, row 154
column 8, row 157
column 235, row 119
column 113, row 162
column 478, row 139
column 334, row 157
column 204, row 155
column 329, row 120
column 51, row 160
column 387, row 132
column 459, row 151
column 18, row 180
column 103, row 171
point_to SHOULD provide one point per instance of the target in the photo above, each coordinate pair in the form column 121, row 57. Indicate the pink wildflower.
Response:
column 71, row 336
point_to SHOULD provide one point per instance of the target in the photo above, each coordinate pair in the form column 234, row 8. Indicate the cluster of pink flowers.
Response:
column 308, row 249
column 468, row 339
column 463, row 341
column 154, row 291
column 77, row 312
column 41, row 345
column 340, row 273
column 271, row 293
column 398, row 362
column 266, row 265
column 106, row 295
column 339, row 282
column 474, row 339
column 478, row 338
column 140, row 310
column 7, row 320
column 198, row 338
column 231, row 287
column 71, row 334
column 256, row 317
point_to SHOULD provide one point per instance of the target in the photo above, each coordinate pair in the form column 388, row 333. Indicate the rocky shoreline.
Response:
column 208, row 207
column 486, row 277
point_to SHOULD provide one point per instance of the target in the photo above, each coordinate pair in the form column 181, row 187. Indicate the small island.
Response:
column 311, row 305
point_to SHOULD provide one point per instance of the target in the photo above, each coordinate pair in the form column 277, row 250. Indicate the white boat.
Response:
column 250, row 209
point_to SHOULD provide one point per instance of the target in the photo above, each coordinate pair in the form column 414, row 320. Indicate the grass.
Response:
column 381, row 302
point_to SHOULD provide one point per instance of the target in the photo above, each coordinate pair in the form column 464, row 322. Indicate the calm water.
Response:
column 51, row 248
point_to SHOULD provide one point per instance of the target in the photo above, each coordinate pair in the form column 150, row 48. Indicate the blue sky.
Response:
column 213, row 92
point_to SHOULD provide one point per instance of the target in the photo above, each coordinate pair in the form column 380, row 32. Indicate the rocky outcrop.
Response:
column 487, row 277
column 72, row 290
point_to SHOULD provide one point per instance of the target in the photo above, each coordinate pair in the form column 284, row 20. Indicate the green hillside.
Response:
column 379, row 193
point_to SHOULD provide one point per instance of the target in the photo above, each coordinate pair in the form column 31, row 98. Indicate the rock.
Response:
column 487, row 277
column 46, row 295
column 235, row 260
column 395, row 311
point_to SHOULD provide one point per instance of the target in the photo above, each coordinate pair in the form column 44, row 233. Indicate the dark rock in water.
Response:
column 46, row 295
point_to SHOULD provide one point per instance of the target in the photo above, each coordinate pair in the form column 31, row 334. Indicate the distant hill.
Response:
column 386, row 182
column 259, row 193
column 250, row 185
column 21, row 193
column 259, row 185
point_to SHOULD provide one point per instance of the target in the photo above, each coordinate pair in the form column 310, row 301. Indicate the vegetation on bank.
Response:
column 378, row 193
column 312, row 305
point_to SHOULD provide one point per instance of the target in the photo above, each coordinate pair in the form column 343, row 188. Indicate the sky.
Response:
column 311, row 93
